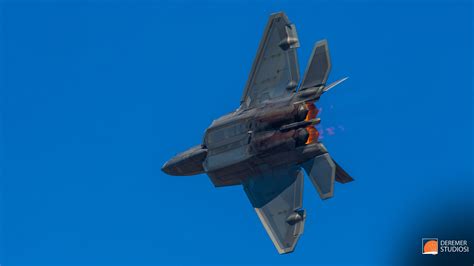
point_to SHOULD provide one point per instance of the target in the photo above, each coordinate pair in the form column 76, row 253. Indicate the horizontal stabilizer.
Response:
column 341, row 175
column 321, row 171
column 334, row 84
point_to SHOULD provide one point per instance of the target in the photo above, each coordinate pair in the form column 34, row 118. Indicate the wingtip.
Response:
column 280, row 15
column 277, row 14
column 286, row 251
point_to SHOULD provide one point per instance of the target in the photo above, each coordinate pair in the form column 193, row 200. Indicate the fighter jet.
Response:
column 264, row 144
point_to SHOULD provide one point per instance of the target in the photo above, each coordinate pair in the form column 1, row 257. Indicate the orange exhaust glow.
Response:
column 312, row 131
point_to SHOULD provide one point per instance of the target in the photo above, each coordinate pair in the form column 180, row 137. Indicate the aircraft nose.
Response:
column 168, row 168
column 186, row 163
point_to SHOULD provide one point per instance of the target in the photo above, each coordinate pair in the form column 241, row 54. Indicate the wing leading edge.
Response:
column 274, row 72
column 277, row 199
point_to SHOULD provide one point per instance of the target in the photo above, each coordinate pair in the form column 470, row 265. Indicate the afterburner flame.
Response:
column 312, row 131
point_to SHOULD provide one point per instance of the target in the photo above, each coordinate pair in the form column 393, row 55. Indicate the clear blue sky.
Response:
column 97, row 95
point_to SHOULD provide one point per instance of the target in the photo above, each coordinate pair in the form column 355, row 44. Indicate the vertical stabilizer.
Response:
column 319, row 66
column 321, row 171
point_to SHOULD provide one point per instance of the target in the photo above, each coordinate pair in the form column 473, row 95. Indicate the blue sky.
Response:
column 97, row 95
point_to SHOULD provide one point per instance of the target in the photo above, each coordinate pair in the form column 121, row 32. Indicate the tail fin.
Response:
column 319, row 66
column 321, row 171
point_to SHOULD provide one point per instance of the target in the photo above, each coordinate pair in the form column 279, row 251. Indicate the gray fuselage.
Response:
column 248, row 142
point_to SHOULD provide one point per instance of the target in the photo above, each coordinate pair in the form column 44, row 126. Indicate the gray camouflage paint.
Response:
column 264, row 144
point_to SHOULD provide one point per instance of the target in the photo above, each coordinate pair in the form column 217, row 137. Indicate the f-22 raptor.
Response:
column 264, row 144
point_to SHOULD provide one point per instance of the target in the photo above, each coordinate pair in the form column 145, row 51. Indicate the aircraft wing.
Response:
column 277, row 199
column 275, row 70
